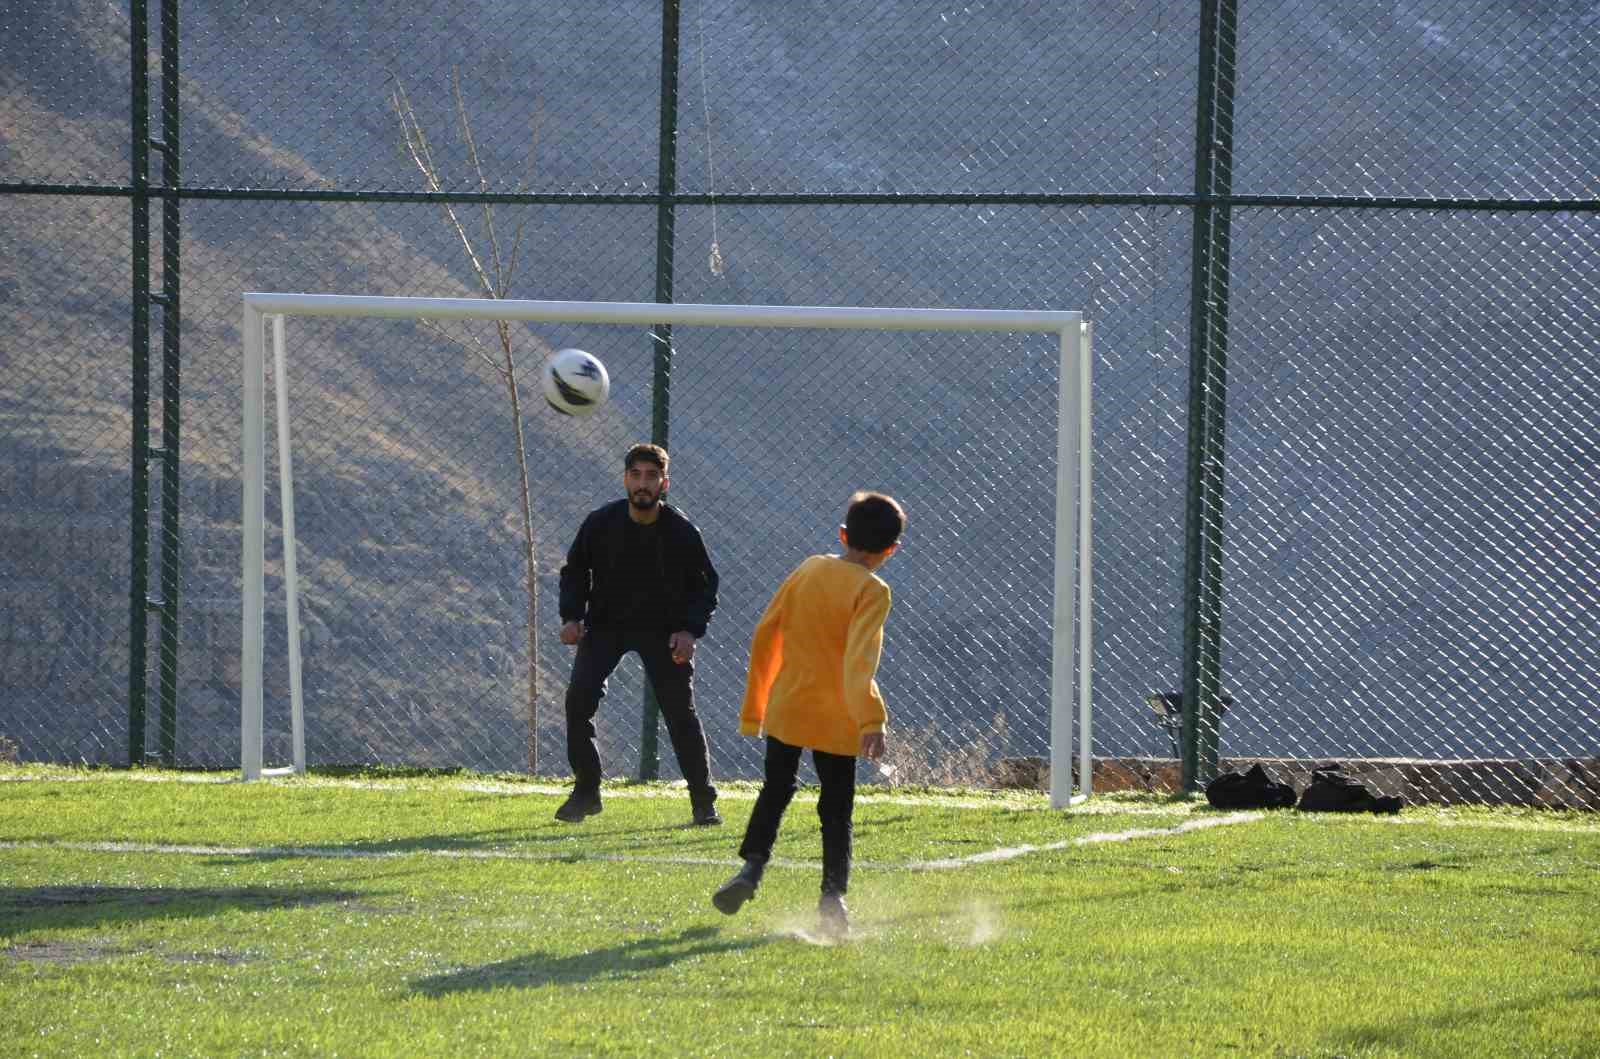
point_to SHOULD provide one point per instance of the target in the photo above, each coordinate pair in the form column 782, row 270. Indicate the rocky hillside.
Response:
column 1410, row 402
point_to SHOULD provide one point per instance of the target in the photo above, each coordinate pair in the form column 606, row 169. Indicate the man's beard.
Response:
column 643, row 499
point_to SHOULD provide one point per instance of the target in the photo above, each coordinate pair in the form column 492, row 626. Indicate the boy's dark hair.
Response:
column 648, row 453
column 873, row 521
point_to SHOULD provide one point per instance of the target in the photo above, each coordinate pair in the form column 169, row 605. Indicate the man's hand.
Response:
column 682, row 644
column 571, row 632
column 872, row 745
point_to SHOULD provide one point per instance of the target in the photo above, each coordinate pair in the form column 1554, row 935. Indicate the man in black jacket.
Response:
column 637, row 578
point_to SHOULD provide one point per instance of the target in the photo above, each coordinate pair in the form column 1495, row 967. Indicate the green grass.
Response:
column 414, row 914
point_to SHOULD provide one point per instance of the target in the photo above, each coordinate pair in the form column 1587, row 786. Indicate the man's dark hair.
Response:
column 873, row 522
column 647, row 453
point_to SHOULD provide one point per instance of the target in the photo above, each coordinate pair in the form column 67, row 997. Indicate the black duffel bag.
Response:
column 1254, row 789
column 1332, row 791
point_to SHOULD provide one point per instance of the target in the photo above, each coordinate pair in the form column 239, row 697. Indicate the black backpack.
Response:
column 1254, row 789
column 1331, row 791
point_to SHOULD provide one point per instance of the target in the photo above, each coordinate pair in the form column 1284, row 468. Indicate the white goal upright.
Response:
column 1071, row 657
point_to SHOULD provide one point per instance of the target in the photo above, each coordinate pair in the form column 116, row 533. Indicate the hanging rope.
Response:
column 711, row 173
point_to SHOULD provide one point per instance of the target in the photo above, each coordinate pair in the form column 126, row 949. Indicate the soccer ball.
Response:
column 575, row 382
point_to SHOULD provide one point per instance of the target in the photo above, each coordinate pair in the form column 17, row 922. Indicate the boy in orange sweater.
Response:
column 811, row 686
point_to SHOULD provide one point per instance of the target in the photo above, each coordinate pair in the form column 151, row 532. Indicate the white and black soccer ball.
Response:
column 575, row 382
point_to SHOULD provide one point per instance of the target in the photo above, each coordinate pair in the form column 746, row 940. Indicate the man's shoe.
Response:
column 705, row 810
column 835, row 916
column 739, row 889
column 578, row 805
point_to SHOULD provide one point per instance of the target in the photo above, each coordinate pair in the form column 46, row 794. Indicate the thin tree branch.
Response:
column 535, row 123
column 417, row 146
column 475, row 347
column 496, row 286
column 483, row 181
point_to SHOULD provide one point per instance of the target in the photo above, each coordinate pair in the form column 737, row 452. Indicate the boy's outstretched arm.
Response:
column 766, row 658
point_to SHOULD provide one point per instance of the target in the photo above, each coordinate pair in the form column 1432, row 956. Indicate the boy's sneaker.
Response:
column 835, row 916
column 578, row 805
column 737, row 890
column 704, row 806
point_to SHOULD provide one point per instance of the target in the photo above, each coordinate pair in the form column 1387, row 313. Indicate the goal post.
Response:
column 1071, row 656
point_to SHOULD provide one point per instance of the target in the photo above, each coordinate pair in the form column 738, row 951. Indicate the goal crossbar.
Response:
column 1073, row 551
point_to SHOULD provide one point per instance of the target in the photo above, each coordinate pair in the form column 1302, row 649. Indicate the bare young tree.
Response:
column 494, row 264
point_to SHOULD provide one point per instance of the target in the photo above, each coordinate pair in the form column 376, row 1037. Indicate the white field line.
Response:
column 1015, row 800
column 993, row 856
column 341, row 853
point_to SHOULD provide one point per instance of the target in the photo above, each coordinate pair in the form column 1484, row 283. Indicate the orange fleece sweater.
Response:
column 814, row 657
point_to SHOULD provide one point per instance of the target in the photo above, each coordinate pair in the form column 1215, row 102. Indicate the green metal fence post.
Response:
column 170, row 378
column 661, row 334
column 1208, row 331
column 1208, row 730
column 139, row 527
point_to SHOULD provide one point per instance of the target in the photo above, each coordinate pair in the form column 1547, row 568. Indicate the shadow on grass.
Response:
column 1403, row 1033
column 24, row 908
column 568, row 844
column 627, row 960
column 505, row 840
column 581, row 841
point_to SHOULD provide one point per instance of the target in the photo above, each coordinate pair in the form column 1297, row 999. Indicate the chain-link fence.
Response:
column 1382, row 295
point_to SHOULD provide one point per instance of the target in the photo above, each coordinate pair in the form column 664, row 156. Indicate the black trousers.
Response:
column 601, row 648
column 835, row 808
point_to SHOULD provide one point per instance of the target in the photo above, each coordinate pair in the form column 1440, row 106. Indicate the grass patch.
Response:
column 450, row 914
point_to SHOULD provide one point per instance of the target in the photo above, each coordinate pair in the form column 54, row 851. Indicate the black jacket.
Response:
column 591, row 578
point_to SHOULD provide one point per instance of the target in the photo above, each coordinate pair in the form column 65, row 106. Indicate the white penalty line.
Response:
column 576, row 856
column 995, row 856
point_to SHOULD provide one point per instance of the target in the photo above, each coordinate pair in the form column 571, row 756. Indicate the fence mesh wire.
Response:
column 1410, row 465
column 1410, row 394
column 64, row 428
column 1431, row 99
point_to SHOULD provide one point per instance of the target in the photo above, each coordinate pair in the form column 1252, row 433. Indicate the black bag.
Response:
column 1331, row 791
column 1249, row 790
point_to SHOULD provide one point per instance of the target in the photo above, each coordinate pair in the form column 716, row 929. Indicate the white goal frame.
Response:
column 1073, row 552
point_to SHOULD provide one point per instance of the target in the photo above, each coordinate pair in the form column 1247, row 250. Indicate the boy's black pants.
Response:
column 835, row 808
column 601, row 648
